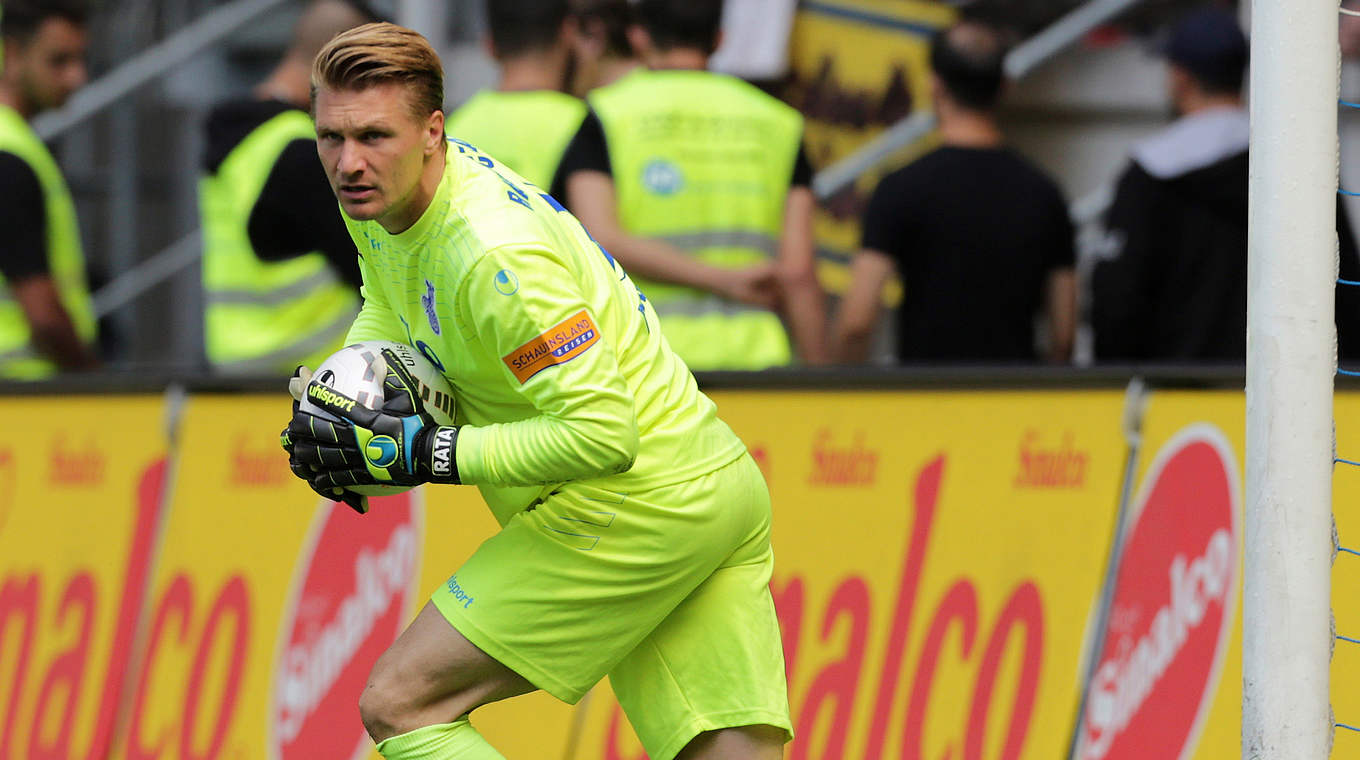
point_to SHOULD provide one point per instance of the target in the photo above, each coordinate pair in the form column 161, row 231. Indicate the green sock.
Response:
column 445, row 741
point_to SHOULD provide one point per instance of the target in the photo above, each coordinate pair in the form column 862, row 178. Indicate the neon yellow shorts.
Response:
column 666, row 591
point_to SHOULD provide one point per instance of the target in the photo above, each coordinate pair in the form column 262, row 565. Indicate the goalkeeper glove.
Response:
column 397, row 445
column 297, row 385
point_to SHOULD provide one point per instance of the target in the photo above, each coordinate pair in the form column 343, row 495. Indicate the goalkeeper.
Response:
column 635, row 526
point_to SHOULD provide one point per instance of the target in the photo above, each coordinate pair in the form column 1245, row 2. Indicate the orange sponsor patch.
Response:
column 558, row 345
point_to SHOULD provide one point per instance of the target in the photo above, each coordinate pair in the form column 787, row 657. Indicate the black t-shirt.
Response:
column 588, row 151
column 296, row 212
column 23, row 216
column 974, row 234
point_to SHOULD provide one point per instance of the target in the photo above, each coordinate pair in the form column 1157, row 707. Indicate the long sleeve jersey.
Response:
column 556, row 357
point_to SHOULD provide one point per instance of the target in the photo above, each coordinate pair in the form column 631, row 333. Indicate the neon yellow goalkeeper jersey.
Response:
column 557, row 359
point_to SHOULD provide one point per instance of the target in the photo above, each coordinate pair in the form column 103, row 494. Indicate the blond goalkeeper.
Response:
column 635, row 538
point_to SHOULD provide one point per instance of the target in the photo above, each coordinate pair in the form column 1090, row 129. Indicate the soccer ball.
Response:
column 358, row 371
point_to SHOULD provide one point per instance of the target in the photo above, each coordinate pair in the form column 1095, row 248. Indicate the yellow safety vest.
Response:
column 264, row 316
column 703, row 161
column 65, row 259
column 526, row 131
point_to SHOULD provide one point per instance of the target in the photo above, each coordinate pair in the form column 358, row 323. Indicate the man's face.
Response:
column 374, row 149
column 50, row 67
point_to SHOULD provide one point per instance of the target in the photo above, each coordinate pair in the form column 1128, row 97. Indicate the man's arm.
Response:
column 23, row 262
column 1121, row 296
column 1060, row 287
column 591, row 197
column 586, row 425
column 586, row 176
column 1061, row 297
column 802, row 300
column 886, row 229
column 861, row 306
column 53, row 334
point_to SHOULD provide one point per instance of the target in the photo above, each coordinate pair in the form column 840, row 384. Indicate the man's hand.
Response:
column 754, row 285
column 297, row 385
column 397, row 445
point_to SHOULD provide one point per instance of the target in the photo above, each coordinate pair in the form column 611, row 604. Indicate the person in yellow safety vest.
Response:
column 697, row 183
column 600, row 46
column 526, row 122
column 47, row 323
column 280, row 272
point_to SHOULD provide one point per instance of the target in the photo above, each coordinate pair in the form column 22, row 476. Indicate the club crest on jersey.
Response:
column 560, row 344
column 427, row 301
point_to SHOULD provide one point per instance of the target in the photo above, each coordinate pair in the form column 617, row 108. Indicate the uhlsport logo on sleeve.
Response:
column 560, row 344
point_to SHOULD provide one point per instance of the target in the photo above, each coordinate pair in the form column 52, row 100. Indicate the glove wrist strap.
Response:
column 436, row 454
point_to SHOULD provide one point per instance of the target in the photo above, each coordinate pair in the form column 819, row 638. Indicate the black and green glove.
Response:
column 297, row 385
column 397, row 445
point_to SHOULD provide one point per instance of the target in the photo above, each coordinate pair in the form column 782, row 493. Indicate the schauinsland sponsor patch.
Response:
column 559, row 344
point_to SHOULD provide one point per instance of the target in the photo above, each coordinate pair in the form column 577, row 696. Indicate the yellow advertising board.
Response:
column 939, row 558
column 1177, row 678
column 80, row 501
column 1168, row 682
column 937, row 555
column 269, row 605
column 1346, row 574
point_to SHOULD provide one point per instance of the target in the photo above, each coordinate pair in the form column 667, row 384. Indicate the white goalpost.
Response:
column 1291, row 365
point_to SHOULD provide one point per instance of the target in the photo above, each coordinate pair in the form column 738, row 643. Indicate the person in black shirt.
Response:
column 980, row 237
column 47, row 322
column 1171, row 283
column 249, row 329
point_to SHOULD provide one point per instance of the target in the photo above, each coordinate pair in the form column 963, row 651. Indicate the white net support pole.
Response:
column 1291, row 365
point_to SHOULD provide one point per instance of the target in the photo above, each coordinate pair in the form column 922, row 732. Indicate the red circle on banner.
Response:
column 352, row 595
column 1172, row 606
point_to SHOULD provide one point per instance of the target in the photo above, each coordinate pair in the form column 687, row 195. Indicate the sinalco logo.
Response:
column 1172, row 611
column 662, row 177
column 381, row 450
column 352, row 592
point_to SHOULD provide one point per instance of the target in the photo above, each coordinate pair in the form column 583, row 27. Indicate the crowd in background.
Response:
column 700, row 186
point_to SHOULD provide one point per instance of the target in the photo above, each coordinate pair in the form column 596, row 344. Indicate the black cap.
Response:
column 1209, row 44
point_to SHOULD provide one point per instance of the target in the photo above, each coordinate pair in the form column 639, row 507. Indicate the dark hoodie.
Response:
column 1171, row 283
column 296, row 212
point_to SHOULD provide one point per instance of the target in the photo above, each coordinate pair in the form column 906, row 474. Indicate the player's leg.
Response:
column 555, row 599
column 740, row 743
column 422, row 688
column 708, row 682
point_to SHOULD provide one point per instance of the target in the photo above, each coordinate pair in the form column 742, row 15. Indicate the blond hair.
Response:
column 380, row 53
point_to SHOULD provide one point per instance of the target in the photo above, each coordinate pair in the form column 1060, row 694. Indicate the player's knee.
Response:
column 378, row 713
column 384, row 706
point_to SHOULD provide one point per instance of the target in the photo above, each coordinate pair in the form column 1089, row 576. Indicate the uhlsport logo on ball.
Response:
column 1173, row 605
column 352, row 592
